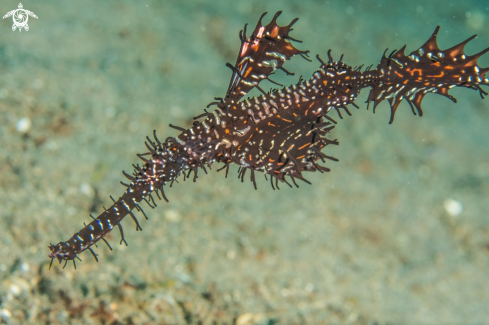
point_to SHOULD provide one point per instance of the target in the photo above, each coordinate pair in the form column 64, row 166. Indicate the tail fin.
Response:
column 427, row 70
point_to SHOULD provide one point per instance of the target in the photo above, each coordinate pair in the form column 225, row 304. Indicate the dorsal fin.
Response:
column 266, row 50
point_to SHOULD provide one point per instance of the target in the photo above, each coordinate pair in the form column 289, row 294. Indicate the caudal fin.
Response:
column 426, row 70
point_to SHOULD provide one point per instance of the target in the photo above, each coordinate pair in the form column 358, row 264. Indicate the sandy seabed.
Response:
column 397, row 233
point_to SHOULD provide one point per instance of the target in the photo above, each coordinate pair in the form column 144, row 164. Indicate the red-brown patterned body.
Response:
column 282, row 132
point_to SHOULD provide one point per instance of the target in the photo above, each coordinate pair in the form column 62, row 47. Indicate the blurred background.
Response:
column 397, row 232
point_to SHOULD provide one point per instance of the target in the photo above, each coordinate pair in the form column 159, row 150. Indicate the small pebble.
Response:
column 244, row 319
column 23, row 125
column 15, row 290
column 249, row 319
column 184, row 277
column 173, row 215
column 453, row 207
column 24, row 267
column 231, row 255
column 86, row 189
column 5, row 313
column 310, row 287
